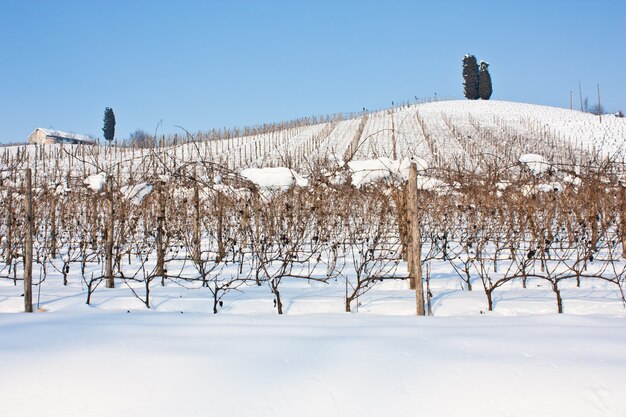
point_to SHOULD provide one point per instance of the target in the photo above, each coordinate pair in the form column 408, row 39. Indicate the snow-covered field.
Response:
column 162, row 364
column 117, row 357
column 435, row 131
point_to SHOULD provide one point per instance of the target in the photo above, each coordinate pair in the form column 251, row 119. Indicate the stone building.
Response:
column 48, row 136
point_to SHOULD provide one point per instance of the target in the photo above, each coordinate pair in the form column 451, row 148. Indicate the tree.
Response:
column 109, row 124
column 596, row 109
column 484, row 81
column 141, row 139
column 470, row 77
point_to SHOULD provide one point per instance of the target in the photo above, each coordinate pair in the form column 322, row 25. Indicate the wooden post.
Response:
column 53, row 225
column 160, row 265
column 393, row 138
column 108, row 247
column 221, row 251
column 196, row 219
column 8, row 254
column 408, row 236
column 415, row 241
column 623, row 220
column 28, row 249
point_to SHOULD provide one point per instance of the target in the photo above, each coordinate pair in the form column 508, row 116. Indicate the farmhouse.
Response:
column 48, row 136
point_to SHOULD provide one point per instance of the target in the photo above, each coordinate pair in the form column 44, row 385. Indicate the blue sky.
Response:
column 203, row 65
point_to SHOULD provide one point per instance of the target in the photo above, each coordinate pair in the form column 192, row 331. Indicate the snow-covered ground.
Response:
column 437, row 132
column 116, row 357
column 169, row 364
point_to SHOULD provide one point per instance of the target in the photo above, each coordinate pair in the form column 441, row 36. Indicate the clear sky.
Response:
column 204, row 64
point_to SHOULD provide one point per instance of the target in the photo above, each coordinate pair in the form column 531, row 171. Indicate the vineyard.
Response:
column 521, row 209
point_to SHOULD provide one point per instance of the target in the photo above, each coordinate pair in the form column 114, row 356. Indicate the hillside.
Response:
column 438, row 132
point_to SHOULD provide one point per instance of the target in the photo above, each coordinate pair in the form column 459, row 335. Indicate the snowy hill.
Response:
column 438, row 132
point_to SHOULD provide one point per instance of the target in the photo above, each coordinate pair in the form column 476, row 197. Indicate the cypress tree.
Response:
column 109, row 124
column 470, row 77
column 484, row 81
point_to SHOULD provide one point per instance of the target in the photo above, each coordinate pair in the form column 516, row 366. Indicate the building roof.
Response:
column 65, row 135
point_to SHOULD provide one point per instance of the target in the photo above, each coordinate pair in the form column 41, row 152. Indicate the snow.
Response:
column 537, row 164
column 274, row 179
column 431, row 184
column 62, row 189
column 543, row 187
column 171, row 364
column 573, row 180
column 369, row 171
column 116, row 357
column 553, row 186
column 503, row 129
column 502, row 185
column 238, row 193
column 373, row 170
column 96, row 181
column 136, row 193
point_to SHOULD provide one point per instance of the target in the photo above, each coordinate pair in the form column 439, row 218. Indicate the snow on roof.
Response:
column 68, row 135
